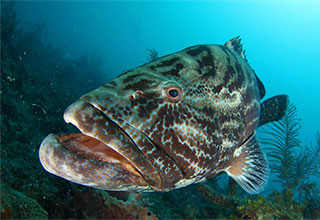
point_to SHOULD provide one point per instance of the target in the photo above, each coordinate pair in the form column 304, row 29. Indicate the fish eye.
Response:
column 173, row 94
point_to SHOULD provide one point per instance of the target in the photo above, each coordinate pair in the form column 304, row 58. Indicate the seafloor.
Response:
column 38, row 82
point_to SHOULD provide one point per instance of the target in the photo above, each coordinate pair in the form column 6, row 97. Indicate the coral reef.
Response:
column 184, row 203
column 89, row 203
column 217, row 197
column 108, row 207
column 278, row 205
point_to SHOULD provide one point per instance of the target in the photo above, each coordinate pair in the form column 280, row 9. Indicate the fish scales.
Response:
column 180, row 119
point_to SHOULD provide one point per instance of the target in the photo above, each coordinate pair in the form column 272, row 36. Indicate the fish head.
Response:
column 126, row 132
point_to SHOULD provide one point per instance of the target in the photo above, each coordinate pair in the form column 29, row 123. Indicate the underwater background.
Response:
column 52, row 52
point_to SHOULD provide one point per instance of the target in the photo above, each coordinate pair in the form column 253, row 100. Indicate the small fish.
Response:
column 180, row 119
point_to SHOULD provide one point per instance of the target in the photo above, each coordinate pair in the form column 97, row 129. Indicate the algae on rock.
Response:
column 16, row 205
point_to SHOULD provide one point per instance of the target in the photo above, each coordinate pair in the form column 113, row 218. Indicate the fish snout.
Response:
column 102, row 147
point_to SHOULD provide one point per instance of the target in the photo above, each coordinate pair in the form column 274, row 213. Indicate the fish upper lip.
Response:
column 116, row 123
column 80, row 150
column 98, row 108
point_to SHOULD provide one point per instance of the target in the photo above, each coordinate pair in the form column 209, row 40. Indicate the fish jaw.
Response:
column 133, row 171
column 60, row 161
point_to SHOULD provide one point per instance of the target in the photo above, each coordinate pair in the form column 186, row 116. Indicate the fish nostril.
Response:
column 139, row 93
column 136, row 94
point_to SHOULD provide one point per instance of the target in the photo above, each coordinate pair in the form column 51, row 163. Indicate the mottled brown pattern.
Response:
column 143, row 83
column 173, row 144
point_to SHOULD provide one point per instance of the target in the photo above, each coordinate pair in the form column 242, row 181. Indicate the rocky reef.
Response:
column 277, row 205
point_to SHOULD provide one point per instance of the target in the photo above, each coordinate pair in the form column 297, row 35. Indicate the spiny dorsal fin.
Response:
column 273, row 109
column 235, row 44
column 249, row 167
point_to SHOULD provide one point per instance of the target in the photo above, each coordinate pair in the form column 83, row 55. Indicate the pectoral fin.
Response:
column 249, row 166
column 273, row 109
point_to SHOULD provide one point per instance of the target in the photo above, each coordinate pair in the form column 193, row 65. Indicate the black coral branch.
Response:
column 294, row 164
column 283, row 142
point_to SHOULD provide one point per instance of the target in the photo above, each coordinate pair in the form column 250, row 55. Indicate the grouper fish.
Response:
column 180, row 119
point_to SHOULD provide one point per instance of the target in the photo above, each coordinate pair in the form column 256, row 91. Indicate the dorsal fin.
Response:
column 262, row 90
column 235, row 44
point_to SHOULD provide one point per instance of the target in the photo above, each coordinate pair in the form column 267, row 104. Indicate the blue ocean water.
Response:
column 281, row 43
column 279, row 37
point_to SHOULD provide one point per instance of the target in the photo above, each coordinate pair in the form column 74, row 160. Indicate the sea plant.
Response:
column 294, row 164
column 283, row 142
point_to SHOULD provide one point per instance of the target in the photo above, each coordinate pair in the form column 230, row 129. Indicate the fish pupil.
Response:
column 174, row 93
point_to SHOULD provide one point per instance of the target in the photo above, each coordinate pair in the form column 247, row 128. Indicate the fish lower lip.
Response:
column 67, row 156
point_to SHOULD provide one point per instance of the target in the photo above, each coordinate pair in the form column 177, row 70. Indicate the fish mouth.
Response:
column 102, row 156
